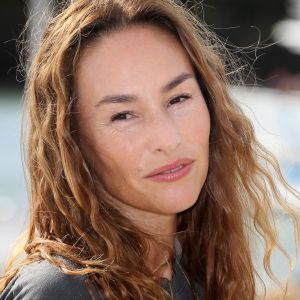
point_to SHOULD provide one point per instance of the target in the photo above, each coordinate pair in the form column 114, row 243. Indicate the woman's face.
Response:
column 132, row 121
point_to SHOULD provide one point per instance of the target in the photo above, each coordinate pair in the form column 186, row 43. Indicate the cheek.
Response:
column 119, row 167
column 195, row 126
column 118, row 153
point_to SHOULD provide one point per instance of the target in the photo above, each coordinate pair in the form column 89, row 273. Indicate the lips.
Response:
column 170, row 167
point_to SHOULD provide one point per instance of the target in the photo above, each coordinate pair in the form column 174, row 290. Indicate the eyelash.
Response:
column 114, row 118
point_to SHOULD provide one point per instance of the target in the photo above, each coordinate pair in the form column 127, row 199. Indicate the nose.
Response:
column 163, row 134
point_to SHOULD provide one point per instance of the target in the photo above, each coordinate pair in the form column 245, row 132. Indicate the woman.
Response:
column 145, row 177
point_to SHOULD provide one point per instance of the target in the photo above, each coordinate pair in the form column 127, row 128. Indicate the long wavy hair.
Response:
column 70, row 212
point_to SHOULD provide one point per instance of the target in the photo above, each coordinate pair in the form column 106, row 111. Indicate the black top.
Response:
column 44, row 281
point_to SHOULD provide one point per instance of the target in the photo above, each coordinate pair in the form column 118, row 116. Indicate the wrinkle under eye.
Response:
column 119, row 117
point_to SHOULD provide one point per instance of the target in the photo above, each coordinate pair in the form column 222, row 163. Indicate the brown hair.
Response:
column 72, row 217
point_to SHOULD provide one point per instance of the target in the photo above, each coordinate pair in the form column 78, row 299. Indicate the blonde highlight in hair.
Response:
column 71, row 215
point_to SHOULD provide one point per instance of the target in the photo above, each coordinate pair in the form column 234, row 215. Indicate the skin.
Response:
column 158, row 129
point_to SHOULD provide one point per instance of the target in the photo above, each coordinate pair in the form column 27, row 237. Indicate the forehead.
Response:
column 134, row 57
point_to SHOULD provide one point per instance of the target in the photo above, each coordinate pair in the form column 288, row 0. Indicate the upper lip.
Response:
column 171, row 166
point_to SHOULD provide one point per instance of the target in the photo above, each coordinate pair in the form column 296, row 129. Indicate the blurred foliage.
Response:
column 12, row 20
column 247, row 25
column 244, row 23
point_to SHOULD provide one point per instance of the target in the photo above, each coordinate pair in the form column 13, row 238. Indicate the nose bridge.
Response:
column 163, row 132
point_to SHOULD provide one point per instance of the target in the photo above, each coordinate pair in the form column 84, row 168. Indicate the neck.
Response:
column 163, row 227
column 159, row 260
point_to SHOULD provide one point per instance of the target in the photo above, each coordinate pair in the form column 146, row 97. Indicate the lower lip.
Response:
column 172, row 176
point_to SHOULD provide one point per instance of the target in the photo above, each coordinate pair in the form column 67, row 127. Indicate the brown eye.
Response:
column 123, row 116
column 180, row 99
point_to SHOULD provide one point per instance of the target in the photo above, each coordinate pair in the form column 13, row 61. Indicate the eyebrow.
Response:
column 126, row 98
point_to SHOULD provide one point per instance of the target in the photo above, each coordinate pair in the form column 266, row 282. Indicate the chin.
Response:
column 187, row 205
column 177, row 204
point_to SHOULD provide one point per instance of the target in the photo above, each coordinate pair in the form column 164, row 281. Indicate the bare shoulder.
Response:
column 42, row 280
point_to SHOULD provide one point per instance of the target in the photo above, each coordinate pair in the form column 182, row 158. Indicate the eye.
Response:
column 125, row 115
column 179, row 99
column 122, row 116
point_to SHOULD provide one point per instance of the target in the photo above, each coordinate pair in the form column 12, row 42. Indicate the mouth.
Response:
column 173, row 171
